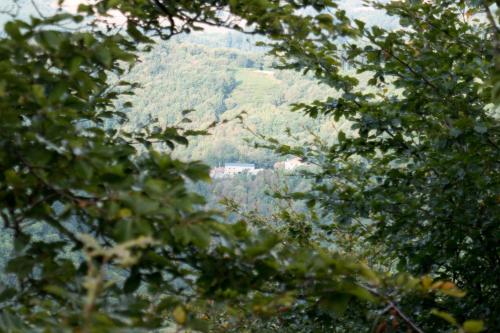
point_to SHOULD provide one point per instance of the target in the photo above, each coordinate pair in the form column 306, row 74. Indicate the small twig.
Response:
column 13, row 11
column 411, row 69
column 393, row 306
column 405, row 318
column 39, row 12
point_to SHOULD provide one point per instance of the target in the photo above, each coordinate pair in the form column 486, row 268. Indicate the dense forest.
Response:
column 225, row 76
column 222, row 83
column 113, row 112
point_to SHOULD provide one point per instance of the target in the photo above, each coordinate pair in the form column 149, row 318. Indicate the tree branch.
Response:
column 394, row 306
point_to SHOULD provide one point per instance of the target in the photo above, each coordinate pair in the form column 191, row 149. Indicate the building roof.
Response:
column 239, row 165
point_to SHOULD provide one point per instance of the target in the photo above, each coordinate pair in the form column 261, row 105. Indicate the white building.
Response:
column 217, row 172
column 236, row 168
column 290, row 164
column 231, row 169
column 293, row 163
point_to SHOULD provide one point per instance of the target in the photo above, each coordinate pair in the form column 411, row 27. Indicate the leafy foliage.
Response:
column 220, row 83
column 418, row 174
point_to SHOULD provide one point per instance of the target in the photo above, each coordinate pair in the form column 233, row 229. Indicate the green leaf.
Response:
column 341, row 136
column 21, row 266
column 12, row 29
column 39, row 93
column 57, row 291
column 7, row 293
column 180, row 315
column 360, row 24
column 444, row 315
column 199, row 236
column 104, row 56
column 336, row 302
column 136, row 34
column 473, row 326
column 132, row 283
column 58, row 91
column 21, row 242
column 52, row 39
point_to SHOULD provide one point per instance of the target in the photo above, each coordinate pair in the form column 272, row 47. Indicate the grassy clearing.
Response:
column 254, row 87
